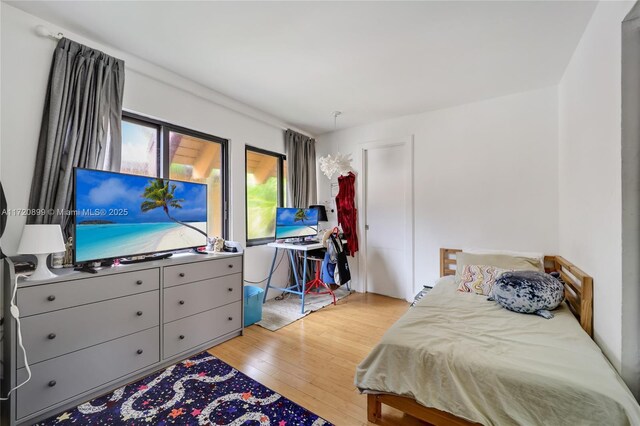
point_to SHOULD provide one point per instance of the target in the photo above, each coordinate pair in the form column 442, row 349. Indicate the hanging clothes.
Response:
column 347, row 212
column 335, row 267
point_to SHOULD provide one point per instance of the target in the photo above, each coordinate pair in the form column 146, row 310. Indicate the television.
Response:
column 296, row 223
column 123, row 215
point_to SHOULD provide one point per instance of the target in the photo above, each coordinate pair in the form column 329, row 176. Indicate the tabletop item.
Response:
column 41, row 240
column 57, row 260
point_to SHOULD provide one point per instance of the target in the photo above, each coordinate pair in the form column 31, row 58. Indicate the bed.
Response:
column 458, row 359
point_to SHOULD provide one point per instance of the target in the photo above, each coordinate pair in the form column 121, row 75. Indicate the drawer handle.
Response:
column 52, row 383
column 230, row 318
column 181, row 302
column 230, row 288
column 181, row 274
column 181, row 337
column 52, row 336
column 139, row 282
column 139, row 313
column 230, row 266
column 139, row 351
column 51, row 298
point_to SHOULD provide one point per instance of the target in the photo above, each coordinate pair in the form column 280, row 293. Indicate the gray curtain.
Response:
column 81, row 126
column 301, row 169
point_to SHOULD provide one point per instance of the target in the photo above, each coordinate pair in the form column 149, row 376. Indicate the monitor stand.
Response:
column 303, row 242
column 86, row 268
column 148, row 258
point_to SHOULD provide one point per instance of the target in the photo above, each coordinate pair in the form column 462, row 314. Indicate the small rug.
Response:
column 279, row 313
column 201, row 390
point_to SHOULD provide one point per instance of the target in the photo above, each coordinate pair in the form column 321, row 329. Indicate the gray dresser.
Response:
column 87, row 334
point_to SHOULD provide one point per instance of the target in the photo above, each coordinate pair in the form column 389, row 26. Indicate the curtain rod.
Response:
column 43, row 31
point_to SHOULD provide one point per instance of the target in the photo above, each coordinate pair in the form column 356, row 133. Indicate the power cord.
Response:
column 290, row 277
column 283, row 295
column 15, row 313
column 274, row 269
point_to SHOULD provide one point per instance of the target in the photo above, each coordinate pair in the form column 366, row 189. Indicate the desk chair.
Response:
column 316, row 283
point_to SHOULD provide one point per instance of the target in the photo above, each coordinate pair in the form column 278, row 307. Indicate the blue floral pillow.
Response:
column 528, row 292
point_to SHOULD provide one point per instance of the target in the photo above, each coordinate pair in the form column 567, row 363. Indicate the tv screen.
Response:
column 296, row 223
column 121, row 215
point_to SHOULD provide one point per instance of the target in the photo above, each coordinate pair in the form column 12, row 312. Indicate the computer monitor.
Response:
column 296, row 223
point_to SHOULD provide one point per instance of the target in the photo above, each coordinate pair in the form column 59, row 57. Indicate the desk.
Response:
column 300, row 282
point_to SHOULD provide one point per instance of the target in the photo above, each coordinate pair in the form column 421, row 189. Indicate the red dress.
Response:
column 347, row 212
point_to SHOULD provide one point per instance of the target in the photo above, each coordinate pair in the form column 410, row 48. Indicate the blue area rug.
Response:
column 201, row 390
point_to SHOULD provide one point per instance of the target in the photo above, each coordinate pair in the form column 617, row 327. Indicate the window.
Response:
column 265, row 184
column 140, row 143
column 200, row 160
column 155, row 148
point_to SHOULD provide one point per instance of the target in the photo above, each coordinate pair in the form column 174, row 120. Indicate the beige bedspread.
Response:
column 468, row 356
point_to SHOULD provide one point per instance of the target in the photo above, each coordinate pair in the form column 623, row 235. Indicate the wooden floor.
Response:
column 312, row 361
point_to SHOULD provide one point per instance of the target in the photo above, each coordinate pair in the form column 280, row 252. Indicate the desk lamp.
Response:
column 41, row 240
column 322, row 215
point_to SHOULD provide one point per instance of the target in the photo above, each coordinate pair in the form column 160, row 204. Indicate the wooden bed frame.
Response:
column 578, row 292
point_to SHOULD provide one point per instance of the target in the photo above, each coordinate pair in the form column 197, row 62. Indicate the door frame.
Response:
column 409, row 265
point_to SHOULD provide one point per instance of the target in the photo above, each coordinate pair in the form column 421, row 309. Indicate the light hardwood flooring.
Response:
column 312, row 361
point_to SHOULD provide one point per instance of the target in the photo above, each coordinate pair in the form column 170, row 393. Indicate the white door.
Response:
column 387, row 198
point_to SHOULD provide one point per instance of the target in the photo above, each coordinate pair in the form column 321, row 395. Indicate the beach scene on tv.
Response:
column 292, row 222
column 119, row 215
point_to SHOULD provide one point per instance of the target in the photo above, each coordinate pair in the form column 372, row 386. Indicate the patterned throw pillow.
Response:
column 479, row 279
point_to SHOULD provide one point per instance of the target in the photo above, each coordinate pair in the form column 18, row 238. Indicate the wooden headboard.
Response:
column 578, row 286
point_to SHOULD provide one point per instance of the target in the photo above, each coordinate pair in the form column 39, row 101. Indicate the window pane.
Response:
column 199, row 160
column 139, row 149
column 262, row 195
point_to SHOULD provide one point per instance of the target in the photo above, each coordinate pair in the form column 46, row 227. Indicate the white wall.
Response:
column 631, row 199
column 485, row 175
column 590, row 168
column 149, row 90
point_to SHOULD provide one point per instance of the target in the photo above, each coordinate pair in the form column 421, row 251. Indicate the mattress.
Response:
column 460, row 353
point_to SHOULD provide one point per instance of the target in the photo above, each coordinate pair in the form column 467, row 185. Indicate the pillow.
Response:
column 503, row 261
column 528, row 292
column 527, row 254
column 479, row 278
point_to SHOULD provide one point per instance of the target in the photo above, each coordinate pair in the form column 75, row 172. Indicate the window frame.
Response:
column 280, row 203
column 163, row 162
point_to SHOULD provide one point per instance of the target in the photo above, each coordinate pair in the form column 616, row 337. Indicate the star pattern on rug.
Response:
column 201, row 390
column 176, row 412
column 62, row 417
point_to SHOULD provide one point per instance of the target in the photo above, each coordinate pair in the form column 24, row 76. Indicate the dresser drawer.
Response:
column 186, row 333
column 60, row 332
column 50, row 297
column 61, row 378
column 184, row 300
column 197, row 271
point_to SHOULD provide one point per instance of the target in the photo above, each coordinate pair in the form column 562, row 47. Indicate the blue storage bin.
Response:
column 252, row 304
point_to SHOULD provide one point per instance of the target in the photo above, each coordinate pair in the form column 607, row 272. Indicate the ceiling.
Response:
column 300, row 61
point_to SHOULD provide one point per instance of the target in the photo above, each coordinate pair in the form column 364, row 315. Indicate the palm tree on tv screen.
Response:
column 160, row 194
column 301, row 216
